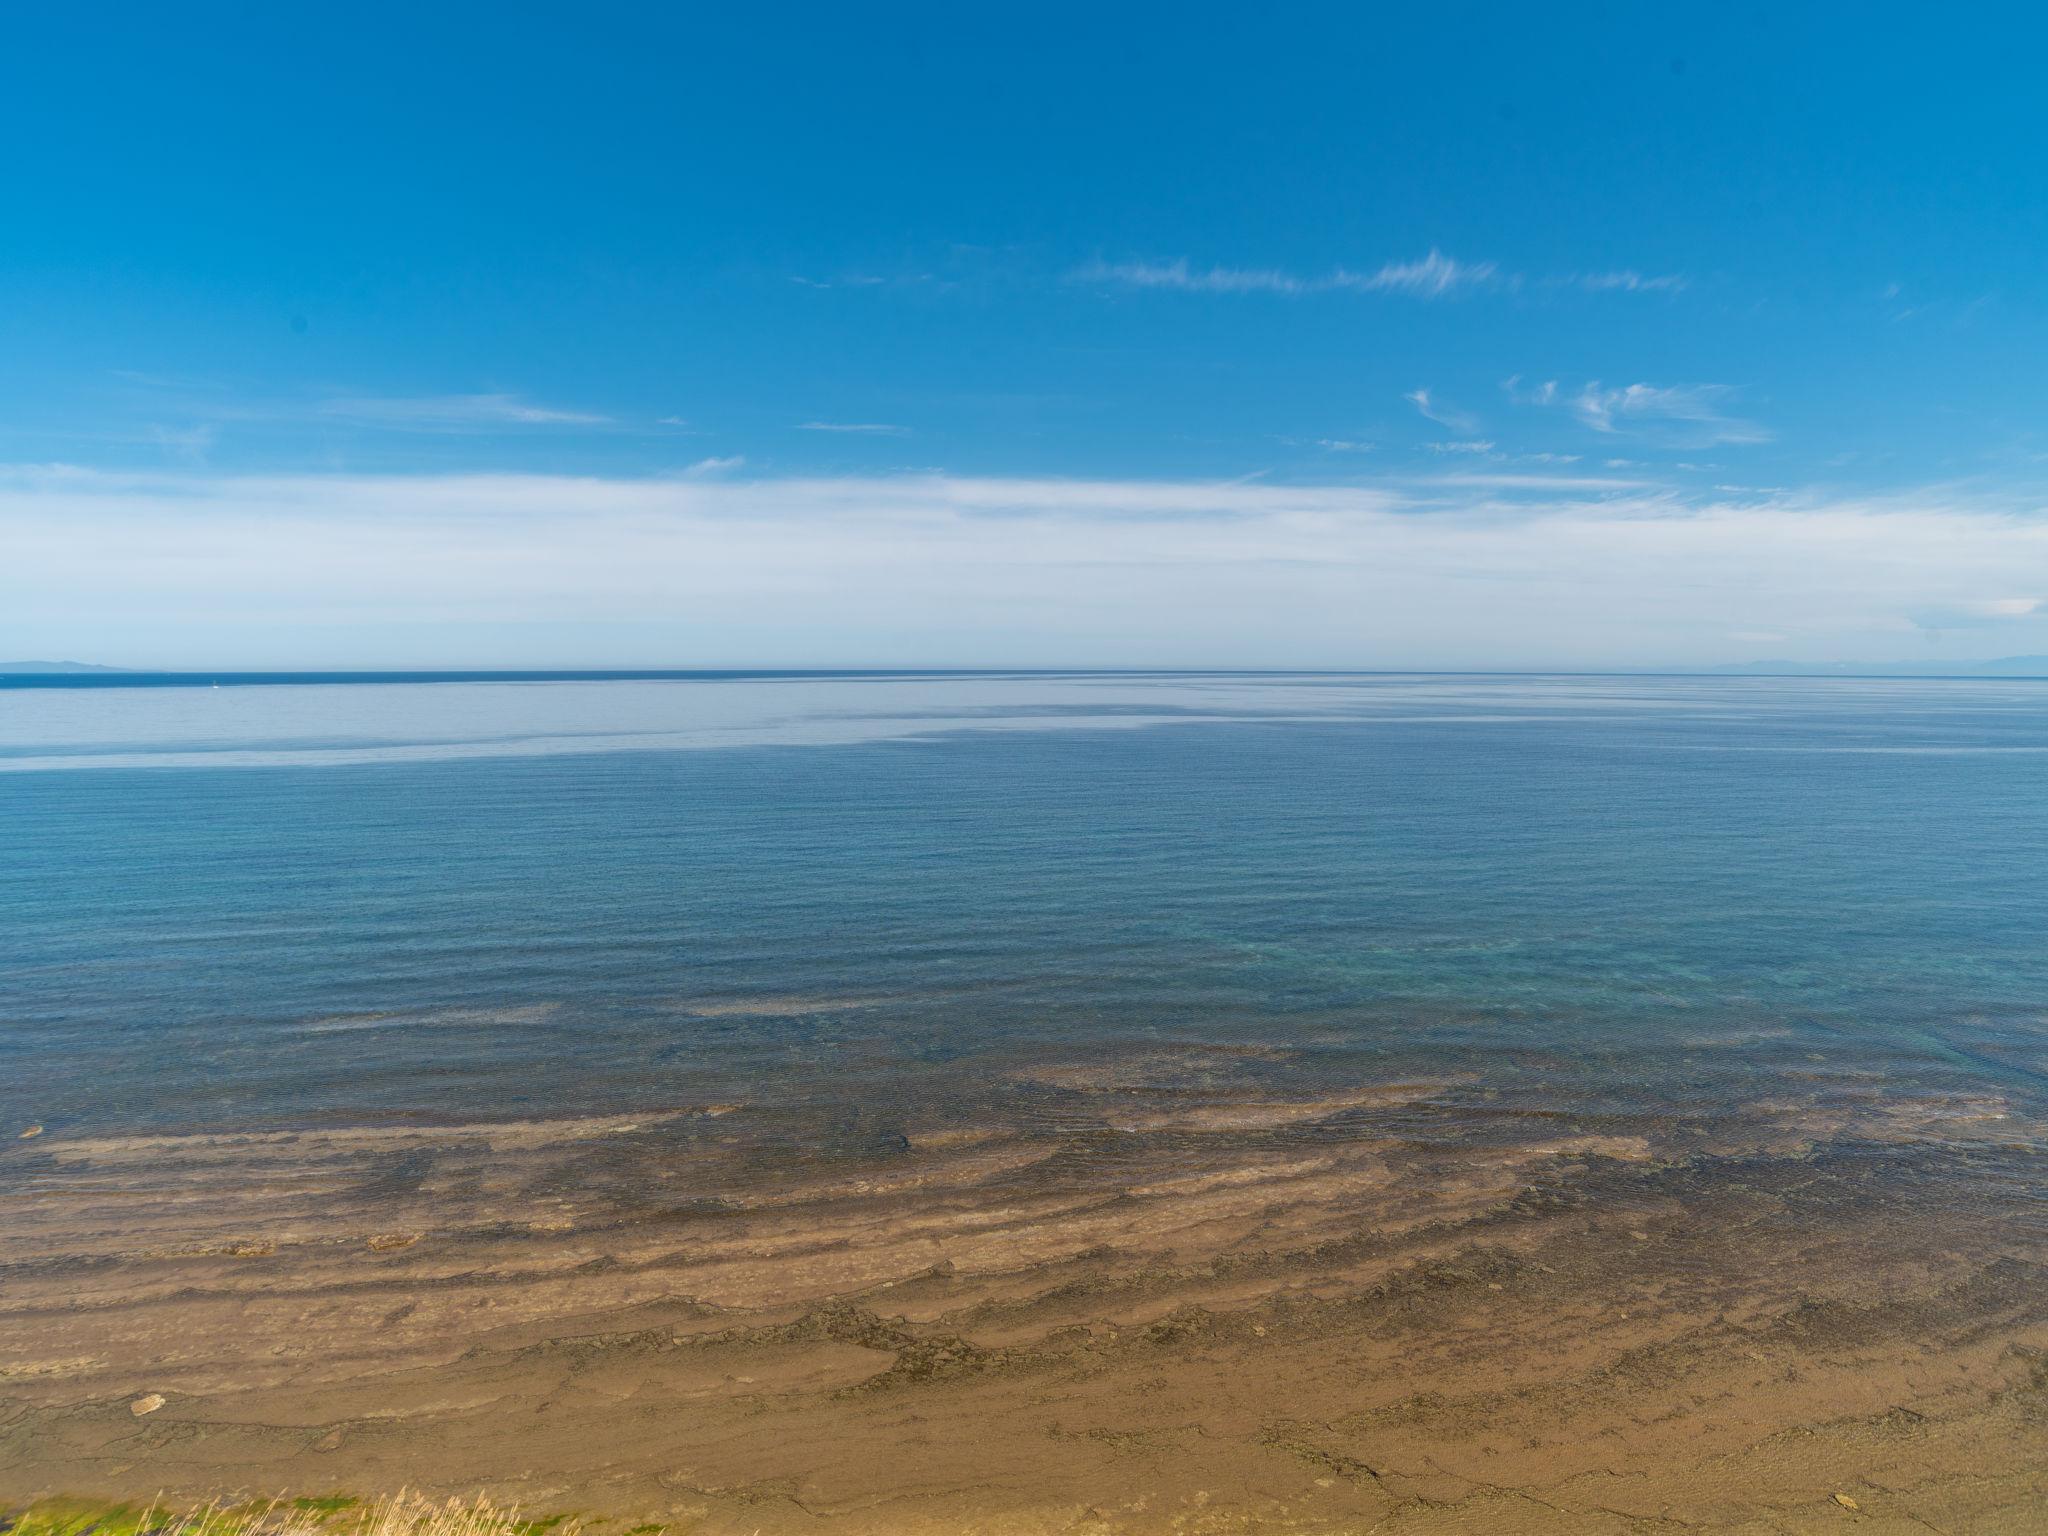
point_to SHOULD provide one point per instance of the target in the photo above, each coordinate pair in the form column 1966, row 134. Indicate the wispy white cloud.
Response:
column 1687, row 413
column 188, row 445
column 1533, row 394
column 1455, row 569
column 1542, row 483
column 870, row 428
column 1979, row 613
column 1626, row 281
column 716, row 466
column 1179, row 274
column 1463, row 445
column 179, row 383
column 1443, row 415
column 1671, row 415
column 851, row 280
column 453, row 412
column 1430, row 277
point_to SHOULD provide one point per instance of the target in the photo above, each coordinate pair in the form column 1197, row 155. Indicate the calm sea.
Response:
column 855, row 900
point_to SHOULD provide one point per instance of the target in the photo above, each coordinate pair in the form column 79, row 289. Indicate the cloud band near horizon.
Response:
column 1453, row 570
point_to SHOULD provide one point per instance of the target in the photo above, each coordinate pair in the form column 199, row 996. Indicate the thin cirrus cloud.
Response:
column 1629, row 282
column 857, row 428
column 1454, row 569
column 187, row 444
column 1667, row 415
column 1687, row 414
column 1437, row 411
column 1432, row 276
column 440, row 413
column 1181, row 276
column 1979, row 613
column 716, row 466
column 851, row 280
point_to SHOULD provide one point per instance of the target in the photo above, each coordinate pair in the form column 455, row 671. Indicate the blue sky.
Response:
column 277, row 281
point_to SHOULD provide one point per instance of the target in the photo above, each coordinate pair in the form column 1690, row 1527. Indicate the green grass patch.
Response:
column 64, row 1516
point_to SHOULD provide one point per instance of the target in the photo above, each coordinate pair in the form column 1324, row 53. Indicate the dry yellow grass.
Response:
column 401, row 1514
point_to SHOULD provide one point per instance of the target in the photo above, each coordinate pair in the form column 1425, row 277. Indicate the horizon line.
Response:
column 80, row 675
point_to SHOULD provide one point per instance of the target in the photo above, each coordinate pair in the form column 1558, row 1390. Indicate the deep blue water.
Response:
column 1599, row 899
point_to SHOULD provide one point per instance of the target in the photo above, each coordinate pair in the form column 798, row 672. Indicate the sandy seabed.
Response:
column 1160, row 1309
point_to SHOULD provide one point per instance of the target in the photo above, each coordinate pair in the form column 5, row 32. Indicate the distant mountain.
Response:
column 55, row 666
column 2001, row 666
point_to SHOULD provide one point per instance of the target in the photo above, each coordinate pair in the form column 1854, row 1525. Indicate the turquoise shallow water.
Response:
column 858, row 902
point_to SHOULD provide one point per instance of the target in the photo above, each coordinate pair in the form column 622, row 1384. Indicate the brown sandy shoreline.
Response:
column 1220, row 1313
